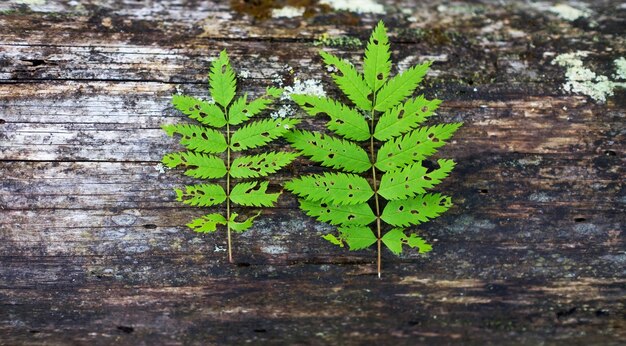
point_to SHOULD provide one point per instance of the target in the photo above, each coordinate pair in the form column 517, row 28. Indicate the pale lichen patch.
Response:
column 288, row 12
column 569, row 13
column 358, row 6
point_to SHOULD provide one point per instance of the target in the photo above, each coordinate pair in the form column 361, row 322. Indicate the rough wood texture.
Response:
column 92, row 244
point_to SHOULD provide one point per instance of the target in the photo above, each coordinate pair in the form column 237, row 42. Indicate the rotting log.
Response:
column 93, row 247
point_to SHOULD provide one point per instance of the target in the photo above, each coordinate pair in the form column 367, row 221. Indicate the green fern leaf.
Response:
column 344, row 120
column 334, row 188
column 206, row 113
column 222, row 80
column 357, row 237
column 412, row 180
column 202, row 166
column 207, row 223
column 241, row 226
column 203, row 195
column 333, row 240
column 377, row 62
column 260, row 165
column 241, row 110
column 349, row 81
column 247, row 195
column 353, row 215
column 399, row 87
column 414, row 146
column 260, row 132
column 395, row 238
column 330, row 151
column 416, row 210
column 404, row 118
column 198, row 138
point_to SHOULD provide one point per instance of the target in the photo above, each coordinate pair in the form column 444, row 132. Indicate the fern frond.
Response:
column 259, row 133
column 329, row 151
column 412, row 180
column 335, row 188
column 247, row 195
column 357, row 237
column 206, row 113
column 241, row 226
column 349, row 81
column 416, row 210
column 399, row 87
column 395, row 238
column 202, row 195
column 404, row 117
column 260, row 165
column 241, row 110
column 207, row 223
column 201, row 165
column 344, row 120
column 413, row 146
column 353, row 215
column 198, row 138
column 222, row 83
column 377, row 62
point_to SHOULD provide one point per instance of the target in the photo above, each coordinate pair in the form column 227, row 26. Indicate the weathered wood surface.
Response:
column 93, row 247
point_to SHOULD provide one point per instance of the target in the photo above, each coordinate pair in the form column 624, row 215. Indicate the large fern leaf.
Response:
column 344, row 120
column 416, row 210
column 202, row 195
column 404, row 117
column 395, row 238
column 260, row 165
column 198, row 138
column 399, row 87
column 222, row 84
column 201, row 165
column 206, row 113
column 377, row 62
column 330, row 151
column 414, row 146
column 354, row 215
column 249, row 195
column 412, row 180
column 357, row 237
column 349, row 81
column 335, row 188
column 259, row 133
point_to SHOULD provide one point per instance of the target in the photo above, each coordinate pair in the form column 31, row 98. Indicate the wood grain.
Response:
column 93, row 247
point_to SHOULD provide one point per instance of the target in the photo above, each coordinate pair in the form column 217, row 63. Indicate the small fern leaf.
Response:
column 395, row 238
column 377, row 62
column 400, row 87
column 344, row 121
column 241, row 226
column 357, row 237
column 203, row 195
column 414, row 146
column 334, row 188
column 404, row 118
column 207, row 223
column 241, row 110
column 206, row 113
column 247, row 195
column 260, row 165
column 412, row 180
column 333, row 240
column 222, row 84
column 349, row 81
column 259, row 133
column 201, row 165
column 198, row 138
column 416, row 210
column 330, row 152
column 353, row 215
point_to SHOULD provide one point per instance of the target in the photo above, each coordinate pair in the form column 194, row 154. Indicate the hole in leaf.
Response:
column 424, row 109
column 196, row 106
column 202, row 114
column 351, row 195
column 204, row 136
column 374, row 41
column 431, row 135
column 331, row 155
column 308, row 105
column 223, row 68
column 323, row 205
column 401, row 208
column 401, row 114
column 579, row 219
column 379, row 76
column 414, row 212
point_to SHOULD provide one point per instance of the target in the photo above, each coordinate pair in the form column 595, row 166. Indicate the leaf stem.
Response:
column 228, row 140
column 373, row 155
